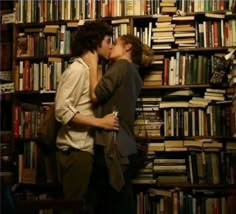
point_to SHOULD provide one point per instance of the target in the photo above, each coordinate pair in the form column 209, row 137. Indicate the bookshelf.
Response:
column 6, row 90
column 185, row 47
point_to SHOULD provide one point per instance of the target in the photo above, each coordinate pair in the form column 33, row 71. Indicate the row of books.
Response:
column 36, row 76
column 183, row 69
column 196, row 116
column 53, row 39
column 41, row 11
column 185, row 32
column 35, row 166
column 197, row 122
column 168, row 32
column 171, row 201
column 39, row 42
column 205, row 144
column 26, row 119
column 193, row 167
column 30, row 195
column 232, row 83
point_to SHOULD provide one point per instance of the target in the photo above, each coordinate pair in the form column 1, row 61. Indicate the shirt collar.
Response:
column 82, row 62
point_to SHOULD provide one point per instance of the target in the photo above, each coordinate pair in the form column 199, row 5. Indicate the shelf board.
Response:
column 6, row 97
column 190, row 186
column 34, row 92
column 177, row 86
column 152, row 138
column 41, row 24
column 57, row 204
column 198, row 186
column 108, row 18
column 6, row 174
column 5, row 132
column 50, row 187
column 227, row 13
column 187, row 138
column 182, row 50
column 173, row 50
column 208, row 49
column 21, row 139
column 63, row 22
column 37, row 58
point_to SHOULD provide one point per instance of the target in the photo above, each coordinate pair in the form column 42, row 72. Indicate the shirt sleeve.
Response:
column 70, row 87
column 110, row 81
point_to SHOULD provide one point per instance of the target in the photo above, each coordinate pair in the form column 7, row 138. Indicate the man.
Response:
column 73, row 108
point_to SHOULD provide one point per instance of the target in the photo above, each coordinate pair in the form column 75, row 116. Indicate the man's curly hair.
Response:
column 89, row 36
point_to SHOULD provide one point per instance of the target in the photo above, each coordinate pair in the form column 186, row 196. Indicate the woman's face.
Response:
column 118, row 50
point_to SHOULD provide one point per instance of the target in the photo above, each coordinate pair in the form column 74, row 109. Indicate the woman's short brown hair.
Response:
column 141, row 54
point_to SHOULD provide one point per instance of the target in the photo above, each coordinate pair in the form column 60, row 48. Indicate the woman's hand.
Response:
column 110, row 122
column 91, row 59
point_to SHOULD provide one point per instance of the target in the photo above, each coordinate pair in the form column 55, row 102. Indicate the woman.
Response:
column 115, row 153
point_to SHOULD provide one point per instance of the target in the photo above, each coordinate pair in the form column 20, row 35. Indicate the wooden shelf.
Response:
column 21, row 139
column 30, row 206
column 109, row 18
column 35, row 97
column 65, row 22
column 41, row 24
column 39, row 187
column 6, row 97
column 38, row 58
column 5, row 132
column 177, row 86
column 191, row 186
column 182, row 50
column 199, row 186
column 34, row 92
column 161, row 138
column 187, row 138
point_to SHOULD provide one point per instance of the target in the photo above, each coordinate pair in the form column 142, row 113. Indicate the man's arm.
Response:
column 70, row 86
column 109, row 122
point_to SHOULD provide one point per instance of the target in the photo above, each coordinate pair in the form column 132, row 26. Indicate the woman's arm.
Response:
column 95, row 77
column 101, row 89
column 91, row 59
column 111, row 80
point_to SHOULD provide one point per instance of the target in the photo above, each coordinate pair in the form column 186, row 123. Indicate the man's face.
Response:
column 105, row 50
